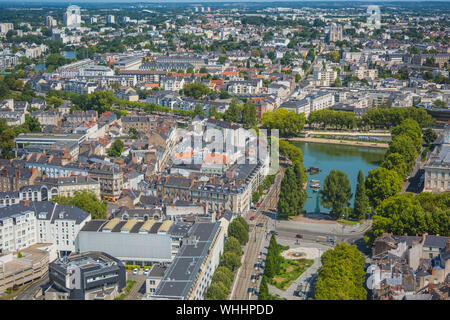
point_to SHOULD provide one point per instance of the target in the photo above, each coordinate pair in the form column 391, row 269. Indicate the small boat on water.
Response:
column 314, row 184
column 313, row 170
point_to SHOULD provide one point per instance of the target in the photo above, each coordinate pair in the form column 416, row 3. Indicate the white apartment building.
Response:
column 321, row 100
column 50, row 21
column 245, row 87
column 25, row 224
column 324, row 77
column 110, row 19
column 5, row 27
column 172, row 83
column 363, row 73
column 17, row 229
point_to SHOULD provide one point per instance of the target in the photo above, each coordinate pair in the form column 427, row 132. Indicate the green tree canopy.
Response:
column 238, row 231
column 116, row 149
column 381, row 184
column 233, row 245
column 336, row 193
column 341, row 276
column 287, row 122
column 85, row 200
column 230, row 260
column 216, row 291
column 362, row 205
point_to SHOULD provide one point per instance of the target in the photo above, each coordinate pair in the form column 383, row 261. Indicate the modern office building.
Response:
column 46, row 138
column 86, row 276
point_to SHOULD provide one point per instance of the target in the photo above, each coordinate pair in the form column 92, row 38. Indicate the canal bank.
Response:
column 347, row 158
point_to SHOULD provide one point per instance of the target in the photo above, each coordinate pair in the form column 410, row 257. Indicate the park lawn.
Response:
column 290, row 270
column 350, row 222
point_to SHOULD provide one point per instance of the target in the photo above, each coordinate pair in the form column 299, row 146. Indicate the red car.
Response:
column 252, row 218
column 299, row 236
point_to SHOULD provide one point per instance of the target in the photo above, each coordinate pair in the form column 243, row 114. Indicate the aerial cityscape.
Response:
column 252, row 151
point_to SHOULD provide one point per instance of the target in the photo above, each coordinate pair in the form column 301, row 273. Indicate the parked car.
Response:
column 260, row 224
column 135, row 271
column 252, row 218
column 330, row 239
column 299, row 236
column 146, row 272
column 273, row 232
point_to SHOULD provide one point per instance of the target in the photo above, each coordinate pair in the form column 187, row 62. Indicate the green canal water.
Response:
column 327, row 157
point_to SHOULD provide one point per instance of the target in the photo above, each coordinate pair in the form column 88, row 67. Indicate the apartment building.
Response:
column 324, row 77
column 5, row 27
column 80, row 87
column 190, row 274
column 172, row 83
column 147, row 76
column 144, row 123
column 12, row 118
column 27, row 223
column 245, row 87
column 110, row 179
column 67, row 186
column 26, row 193
column 48, row 117
column 78, row 116
column 437, row 166
column 13, row 178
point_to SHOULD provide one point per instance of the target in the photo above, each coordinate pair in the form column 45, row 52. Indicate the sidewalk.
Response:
column 335, row 228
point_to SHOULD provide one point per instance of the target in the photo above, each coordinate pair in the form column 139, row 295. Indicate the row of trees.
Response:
column 404, row 148
column 374, row 118
column 292, row 193
column 272, row 267
column 230, row 261
column 404, row 213
column 287, row 122
column 341, row 276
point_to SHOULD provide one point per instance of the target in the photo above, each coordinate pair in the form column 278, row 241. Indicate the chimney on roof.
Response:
column 424, row 236
column 17, row 172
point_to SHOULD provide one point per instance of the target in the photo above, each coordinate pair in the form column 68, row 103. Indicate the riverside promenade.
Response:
column 341, row 142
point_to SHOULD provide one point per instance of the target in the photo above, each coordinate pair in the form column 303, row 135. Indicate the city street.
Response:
column 258, row 239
